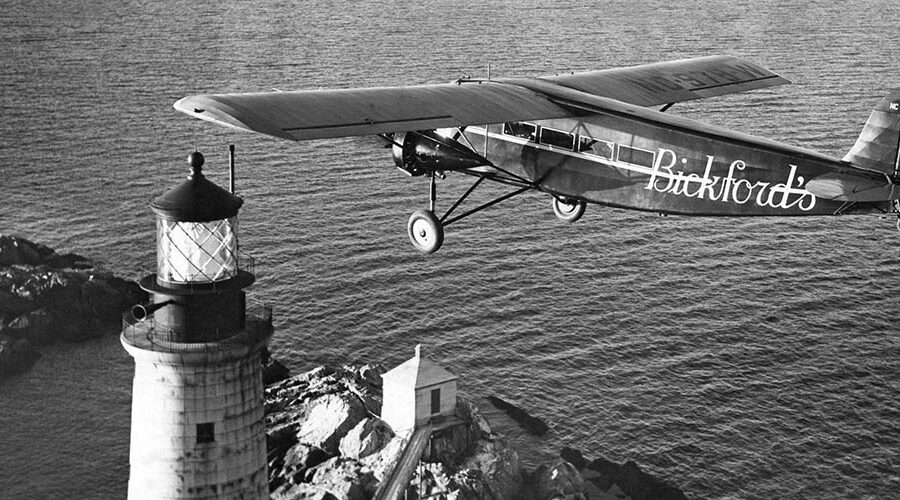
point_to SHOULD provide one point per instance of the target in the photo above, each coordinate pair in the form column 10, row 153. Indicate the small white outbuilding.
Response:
column 417, row 391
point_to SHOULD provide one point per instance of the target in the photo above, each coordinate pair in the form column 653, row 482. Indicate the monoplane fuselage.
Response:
column 591, row 137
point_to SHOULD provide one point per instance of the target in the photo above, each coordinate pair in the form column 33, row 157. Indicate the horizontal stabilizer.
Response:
column 853, row 187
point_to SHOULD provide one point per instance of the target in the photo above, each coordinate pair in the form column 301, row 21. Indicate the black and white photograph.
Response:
column 460, row 250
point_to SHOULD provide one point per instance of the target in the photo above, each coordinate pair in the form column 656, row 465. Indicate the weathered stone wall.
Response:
column 176, row 391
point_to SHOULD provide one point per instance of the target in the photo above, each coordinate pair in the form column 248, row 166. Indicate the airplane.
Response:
column 587, row 137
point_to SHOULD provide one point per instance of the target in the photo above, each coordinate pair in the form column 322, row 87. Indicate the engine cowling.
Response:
column 423, row 152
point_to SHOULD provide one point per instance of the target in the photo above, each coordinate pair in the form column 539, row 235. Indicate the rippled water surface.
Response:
column 738, row 358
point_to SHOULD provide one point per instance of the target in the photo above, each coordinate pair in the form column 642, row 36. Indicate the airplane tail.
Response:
column 874, row 171
column 878, row 145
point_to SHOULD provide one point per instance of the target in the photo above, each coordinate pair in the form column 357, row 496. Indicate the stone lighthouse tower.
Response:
column 197, row 423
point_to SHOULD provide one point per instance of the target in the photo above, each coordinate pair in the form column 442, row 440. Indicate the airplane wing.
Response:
column 672, row 81
column 317, row 114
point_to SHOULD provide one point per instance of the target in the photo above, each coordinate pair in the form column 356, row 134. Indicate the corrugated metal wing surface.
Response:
column 672, row 81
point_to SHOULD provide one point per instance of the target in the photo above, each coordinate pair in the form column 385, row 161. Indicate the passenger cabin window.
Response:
column 636, row 156
column 557, row 138
column 595, row 147
column 521, row 129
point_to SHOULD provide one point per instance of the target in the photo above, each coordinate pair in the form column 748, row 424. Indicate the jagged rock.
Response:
column 80, row 304
column 433, row 480
column 371, row 374
column 303, row 491
column 636, row 483
column 560, row 480
column 344, row 478
column 607, row 472
column 473, row 463
column 47, row 297
column 574, row 457
column 296, row 464
column 16, row 356
column 38, row 327
column 11, row 305
column 280, row 438
column 382, row 462
column 105, row 297
column 369, row 436
column 365, row 382
column 531, row 424
column 453, row 445
column 338, row 478
column 16, row 251
column 329, row 419
column 274, row 371
column 468, row 411
column 500, row 468
column 68, row 261
column 315, row 411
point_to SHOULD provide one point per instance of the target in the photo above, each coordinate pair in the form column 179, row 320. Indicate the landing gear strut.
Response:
column 426, row 230
column 569, row 210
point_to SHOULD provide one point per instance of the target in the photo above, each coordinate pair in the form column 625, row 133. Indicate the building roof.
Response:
column 420, row 372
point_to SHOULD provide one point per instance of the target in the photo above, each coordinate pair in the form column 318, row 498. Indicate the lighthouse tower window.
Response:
column 206, row 433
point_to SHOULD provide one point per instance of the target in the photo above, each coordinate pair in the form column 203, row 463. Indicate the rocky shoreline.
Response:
column 46, row 297
column 326, row 440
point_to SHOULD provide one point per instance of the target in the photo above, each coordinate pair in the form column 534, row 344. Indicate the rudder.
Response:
column 878, row 145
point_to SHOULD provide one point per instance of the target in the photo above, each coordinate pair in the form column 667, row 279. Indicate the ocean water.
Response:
column 737, row 358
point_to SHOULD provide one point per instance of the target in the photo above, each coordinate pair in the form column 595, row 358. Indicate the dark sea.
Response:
column 734, row 357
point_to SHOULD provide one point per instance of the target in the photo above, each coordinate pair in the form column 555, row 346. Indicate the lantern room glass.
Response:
column 196, row 252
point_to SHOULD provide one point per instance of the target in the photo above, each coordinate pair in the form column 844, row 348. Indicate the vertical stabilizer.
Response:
column 878, row 145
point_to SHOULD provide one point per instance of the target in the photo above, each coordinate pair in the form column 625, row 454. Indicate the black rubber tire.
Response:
column 568, row 210
column 426, row 233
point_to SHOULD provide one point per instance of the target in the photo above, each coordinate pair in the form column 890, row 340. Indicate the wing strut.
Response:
column 481, row 207
column 426, row 230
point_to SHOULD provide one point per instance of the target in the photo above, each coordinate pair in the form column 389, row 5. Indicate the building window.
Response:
column 206, row 433
column 435, row 401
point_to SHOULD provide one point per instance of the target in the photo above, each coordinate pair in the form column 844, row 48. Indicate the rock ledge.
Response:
column 46, row 297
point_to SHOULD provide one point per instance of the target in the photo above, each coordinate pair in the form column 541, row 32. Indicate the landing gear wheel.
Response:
column 425, row 231
column 568, row 210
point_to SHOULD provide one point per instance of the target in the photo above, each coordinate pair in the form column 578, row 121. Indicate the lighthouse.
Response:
column 197, row 419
